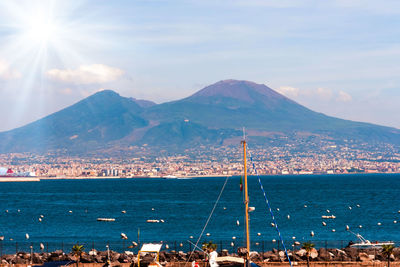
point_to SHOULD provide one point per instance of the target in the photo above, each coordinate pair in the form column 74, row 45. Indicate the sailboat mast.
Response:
column 246, row 201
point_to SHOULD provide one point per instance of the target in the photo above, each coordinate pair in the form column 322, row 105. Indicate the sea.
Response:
column 197, row 210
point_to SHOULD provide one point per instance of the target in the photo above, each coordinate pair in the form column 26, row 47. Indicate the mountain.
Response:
column 213, row 115
column 88, row 124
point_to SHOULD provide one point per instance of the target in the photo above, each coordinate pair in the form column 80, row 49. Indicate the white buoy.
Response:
column 379, row 223
column 328, row 211
column 152, row 209
column 27, row 236
column 181, row 245
column 360, row 226
column 333, row 230
column 273, row 240
column 277, row 209
column 305, row 206
column 312, row 233
column 293, row 237
column 350, row 208
column 124, row 211
column 257, row 243
column 41, row 216
column 162, row 220
column 191, row 237
column 40, row 219
column 232, row 244
column 19, row 210
column 124, row 236
column 323, row 223
column 288, row 216
column 251, row 209
column 233, row 237
column 208, row 234
column 237, row 223
column 347, row 228
column 70, row 211
column 358, row 205
column 272, row 224
column 258, row 234
column 167, row 246
column 394, row 221
column 297, row 243
column 224, row 208
column 41, row 246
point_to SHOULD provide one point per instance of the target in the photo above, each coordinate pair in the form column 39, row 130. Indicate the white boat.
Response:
column 105, row 219
column 364, row 243
column 328, row 217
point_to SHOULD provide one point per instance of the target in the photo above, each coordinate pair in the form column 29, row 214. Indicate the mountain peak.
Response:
column 242, row 90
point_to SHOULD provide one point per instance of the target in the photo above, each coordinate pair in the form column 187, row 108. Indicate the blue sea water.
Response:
column 185, row 204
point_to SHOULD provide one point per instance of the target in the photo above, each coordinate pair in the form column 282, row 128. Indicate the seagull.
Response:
column 350, row 208
column 191, row 237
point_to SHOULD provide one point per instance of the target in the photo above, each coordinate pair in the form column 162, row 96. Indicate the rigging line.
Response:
column 208, row 220
column 270, row 209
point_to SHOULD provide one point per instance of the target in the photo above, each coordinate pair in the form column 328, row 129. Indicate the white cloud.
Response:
column 6, row 72
column 324, row 93
column 344, row 97
column 288, row 91
column 86, row 74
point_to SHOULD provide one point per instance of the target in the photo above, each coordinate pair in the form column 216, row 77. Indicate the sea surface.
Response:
column 71, row 208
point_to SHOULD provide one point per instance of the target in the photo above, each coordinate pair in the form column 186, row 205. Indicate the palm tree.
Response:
column 209, row 246
column 308, row 246
column 387, row 250
column 78, row 251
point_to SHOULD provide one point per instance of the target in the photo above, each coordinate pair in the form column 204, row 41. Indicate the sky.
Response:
column 338, row 57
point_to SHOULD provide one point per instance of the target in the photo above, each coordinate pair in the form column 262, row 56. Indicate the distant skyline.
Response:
column 337, row 57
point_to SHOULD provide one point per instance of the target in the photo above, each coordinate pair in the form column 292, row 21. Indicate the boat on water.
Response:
column 8, row 172
column 364, row 243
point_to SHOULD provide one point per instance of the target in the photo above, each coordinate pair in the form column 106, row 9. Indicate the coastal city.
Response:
column 306, row 158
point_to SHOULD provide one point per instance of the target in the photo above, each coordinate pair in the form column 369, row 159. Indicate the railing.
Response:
column 231, row 246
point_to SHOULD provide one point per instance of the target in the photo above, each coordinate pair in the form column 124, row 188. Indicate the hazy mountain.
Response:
column 213, row 115
column 94, row 121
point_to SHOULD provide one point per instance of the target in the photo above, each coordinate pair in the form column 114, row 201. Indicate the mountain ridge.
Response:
column 212, row 115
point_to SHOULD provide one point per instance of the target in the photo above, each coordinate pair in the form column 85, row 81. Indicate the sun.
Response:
column 41, row 29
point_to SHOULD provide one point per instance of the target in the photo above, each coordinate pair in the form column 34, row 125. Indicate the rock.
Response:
column 93, row 252
column 363, row 257
column 301, row 253
column 352, row 253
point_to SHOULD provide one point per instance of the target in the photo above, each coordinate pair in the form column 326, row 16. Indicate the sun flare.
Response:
column 41, row 30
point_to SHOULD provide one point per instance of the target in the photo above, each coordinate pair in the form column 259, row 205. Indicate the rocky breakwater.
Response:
column 116, row 258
